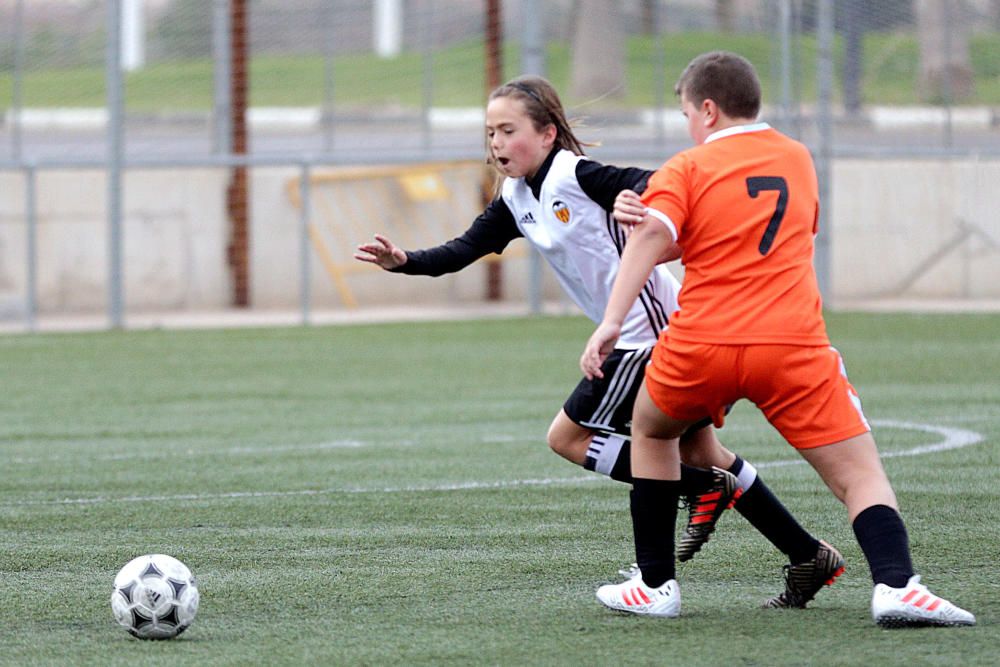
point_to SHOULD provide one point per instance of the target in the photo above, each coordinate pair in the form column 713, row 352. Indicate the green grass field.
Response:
column 382, row 494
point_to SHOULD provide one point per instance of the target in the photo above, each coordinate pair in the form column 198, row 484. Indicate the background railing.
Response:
column 117, row 89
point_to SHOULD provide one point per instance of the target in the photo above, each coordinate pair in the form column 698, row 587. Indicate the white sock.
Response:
column 747, row 475
column 603, row 453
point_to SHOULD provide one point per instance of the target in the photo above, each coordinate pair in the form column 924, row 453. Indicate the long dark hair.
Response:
column 543, row 106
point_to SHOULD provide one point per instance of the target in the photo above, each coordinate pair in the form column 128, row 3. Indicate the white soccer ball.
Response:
column 155, row 597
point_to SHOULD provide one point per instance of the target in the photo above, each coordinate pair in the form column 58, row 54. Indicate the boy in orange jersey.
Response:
column 740, row 209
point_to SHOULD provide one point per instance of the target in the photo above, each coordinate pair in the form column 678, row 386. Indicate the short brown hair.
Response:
column 724, row 77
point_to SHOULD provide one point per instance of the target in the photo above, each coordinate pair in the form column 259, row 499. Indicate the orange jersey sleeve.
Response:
column 744, row 208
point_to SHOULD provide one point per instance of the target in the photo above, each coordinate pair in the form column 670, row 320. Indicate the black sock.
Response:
column 623, row 466
column 654, row 513
column 608, row 454
column 695, row 480
column 882, row 536
column 773, row 520
column 737, row 465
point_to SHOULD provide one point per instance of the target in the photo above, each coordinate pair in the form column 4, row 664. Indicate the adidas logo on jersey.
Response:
column 526, row 219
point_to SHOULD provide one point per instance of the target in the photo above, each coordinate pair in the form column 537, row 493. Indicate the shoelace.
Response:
column 791, row 594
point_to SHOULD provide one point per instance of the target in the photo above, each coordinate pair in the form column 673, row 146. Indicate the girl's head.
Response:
column 524, row 121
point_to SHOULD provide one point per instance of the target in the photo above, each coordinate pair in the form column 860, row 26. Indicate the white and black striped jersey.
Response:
column 564, row 211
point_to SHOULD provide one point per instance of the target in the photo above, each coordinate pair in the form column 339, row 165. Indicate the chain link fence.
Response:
column 341, row 78
column 111, row 108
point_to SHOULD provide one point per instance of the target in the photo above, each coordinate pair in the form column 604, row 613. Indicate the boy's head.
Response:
column 726, row 78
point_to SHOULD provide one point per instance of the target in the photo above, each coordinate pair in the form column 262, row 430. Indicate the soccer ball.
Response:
column 155, row 597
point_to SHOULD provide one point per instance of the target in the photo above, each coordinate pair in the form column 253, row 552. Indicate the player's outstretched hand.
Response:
column 381, row 253
column 601, row 342
column 629, row 209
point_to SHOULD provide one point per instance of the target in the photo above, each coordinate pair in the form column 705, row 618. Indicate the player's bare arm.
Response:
column 642, row 253
column 382, row 252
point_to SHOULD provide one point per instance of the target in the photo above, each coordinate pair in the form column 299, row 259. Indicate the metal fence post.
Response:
column 327, row 111
column 114, row 83
column 31, row 219
column 305, row 287
column 659, row 77
column 785, row 41
column 427, row 43
column 17, row 82
column 824, row 158
column 533, row 62
column 221, row 138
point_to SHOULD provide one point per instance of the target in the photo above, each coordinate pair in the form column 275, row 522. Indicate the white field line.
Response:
column 952, row 438
column 229, row 451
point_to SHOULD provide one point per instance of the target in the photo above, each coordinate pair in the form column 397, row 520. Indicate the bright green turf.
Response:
column 312, row 479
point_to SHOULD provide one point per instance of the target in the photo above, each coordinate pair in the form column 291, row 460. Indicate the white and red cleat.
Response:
column 914, row 606
column 635, row 597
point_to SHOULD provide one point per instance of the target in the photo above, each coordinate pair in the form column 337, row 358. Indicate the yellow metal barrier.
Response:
column 417, row 206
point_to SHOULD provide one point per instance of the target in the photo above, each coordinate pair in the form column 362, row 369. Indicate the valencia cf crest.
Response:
column 561, row 210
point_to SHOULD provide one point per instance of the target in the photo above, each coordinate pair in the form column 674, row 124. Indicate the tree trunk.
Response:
column 945, row 63
column 648, row 26
column 725, row 15
column 598, row 51
column 854, row 32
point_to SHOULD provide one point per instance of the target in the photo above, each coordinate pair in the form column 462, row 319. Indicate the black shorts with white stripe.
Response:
column 605, row 404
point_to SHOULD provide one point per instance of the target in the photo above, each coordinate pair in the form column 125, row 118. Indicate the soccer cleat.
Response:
column 804, row 580
column 915, row 606
column 635, row 597
column 704, row 510
column 630, row 572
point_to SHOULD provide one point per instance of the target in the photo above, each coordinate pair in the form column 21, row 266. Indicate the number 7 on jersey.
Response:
column 758, row 184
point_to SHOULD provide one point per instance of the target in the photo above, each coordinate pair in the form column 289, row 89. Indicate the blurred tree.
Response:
column 648, row 19
column 598, row 51
column 725, row 15
column 882, row 15
column 945, row 60
column 853, row 29
column 184, row 30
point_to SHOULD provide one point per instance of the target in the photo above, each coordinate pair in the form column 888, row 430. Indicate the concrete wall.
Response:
column 916, row 229
column 900, row 229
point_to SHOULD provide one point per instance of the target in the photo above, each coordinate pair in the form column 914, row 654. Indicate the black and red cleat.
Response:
column 804, row 580
column 704, row 511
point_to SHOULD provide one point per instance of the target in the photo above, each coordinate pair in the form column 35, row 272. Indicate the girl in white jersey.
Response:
column 561, row 202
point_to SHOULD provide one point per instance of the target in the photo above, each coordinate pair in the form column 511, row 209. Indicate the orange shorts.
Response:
column 802, row 390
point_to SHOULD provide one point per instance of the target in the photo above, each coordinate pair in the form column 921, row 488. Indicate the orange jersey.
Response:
column 743, row 208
